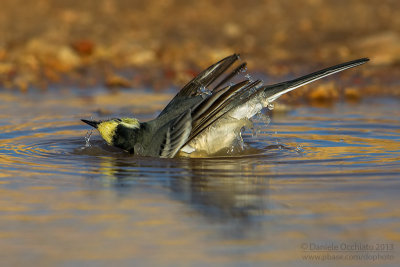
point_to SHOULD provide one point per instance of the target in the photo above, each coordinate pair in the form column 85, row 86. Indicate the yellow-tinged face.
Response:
column 107, row 128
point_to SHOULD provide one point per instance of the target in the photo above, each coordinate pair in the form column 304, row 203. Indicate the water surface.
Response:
column 314, row 176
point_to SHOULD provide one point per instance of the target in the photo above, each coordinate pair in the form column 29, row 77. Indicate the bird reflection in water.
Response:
column 218, row 188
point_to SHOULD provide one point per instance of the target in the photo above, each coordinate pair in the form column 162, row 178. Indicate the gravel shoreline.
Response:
column 156, row 44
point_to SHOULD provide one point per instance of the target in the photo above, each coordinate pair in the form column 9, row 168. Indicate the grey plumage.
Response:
column 194, row 109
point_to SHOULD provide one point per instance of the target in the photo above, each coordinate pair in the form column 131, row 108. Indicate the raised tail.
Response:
column 276, row 90
column 247, row 98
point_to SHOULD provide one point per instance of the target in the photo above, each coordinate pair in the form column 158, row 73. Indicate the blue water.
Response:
column 313, row 175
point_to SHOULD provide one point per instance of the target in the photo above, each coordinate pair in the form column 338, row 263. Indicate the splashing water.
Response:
column 204, row 91
column 238, row 145
column 87, row 138
column 255, row 131
column 299, row 148
column 248, row 77
column 240, row 139
column 259, row 122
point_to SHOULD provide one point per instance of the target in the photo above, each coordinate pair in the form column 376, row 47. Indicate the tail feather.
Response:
column 276, row 90
column 226, row 100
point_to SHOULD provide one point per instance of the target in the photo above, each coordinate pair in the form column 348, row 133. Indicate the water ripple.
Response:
column 300, row 144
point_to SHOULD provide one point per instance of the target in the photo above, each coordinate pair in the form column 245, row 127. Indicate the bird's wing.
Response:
column 193, row 113
column 183, row 128
column 224, row 100
column 219, row 104
column 176, row 135
column 204, row 79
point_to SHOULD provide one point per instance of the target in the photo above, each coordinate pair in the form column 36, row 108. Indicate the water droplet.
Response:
column 204, row 91
column 241, row 144
column 87, row 138
column 299, row 148
column 259, row 121
column 248, row 77
column 240, row 141
column 265, row 118
column 255, row 131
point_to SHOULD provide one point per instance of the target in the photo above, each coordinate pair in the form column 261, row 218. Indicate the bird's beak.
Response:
column 94, row 124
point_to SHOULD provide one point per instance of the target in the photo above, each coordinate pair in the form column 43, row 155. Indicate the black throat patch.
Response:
column 126, row 137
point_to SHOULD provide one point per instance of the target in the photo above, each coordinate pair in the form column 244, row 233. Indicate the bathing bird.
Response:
column 207, row 115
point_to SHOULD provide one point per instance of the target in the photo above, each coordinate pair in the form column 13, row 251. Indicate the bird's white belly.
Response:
column 223, row 133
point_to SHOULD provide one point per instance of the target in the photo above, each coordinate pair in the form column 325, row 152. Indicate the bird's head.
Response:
column 116, row 132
